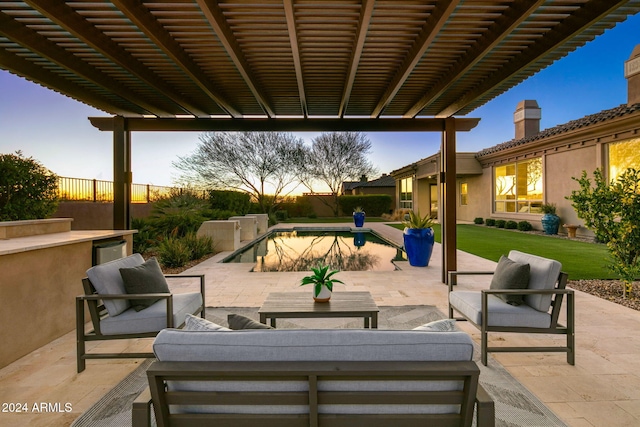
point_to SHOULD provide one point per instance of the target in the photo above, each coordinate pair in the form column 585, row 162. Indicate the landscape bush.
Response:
column 511, row 225
column 372, row 204
column 174, row 252
column 199, row 246
column 281, row 215
column 525, row 226
column 227, row 200
column 478, row 221
column 490, row 222
column 500, row 223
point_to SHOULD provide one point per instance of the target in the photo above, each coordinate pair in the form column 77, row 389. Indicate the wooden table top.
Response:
column 302, row 302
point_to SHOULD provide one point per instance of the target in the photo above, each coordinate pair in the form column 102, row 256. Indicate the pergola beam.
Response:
column 502, row 28
column 286, row 124
column 295, row 53
column 429, row 33
column 569, row 28
column 216, row 19
column 137, row 13
column 67, row 18
column 363, row 26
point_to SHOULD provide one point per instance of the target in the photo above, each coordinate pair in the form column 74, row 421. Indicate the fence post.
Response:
column 148, row 194
column 95, row 190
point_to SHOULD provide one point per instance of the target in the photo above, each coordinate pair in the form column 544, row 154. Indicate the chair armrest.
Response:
column 94, row 297
column 141, row 410
column 453, row 276
column 192, row 276
column 528, row 291
column 486, row 413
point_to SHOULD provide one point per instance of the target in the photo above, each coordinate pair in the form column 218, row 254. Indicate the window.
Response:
column 622, row 156
column 463, row 194
column 406, row 193
column 518, row 187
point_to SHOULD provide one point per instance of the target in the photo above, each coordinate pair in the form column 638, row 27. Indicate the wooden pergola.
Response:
column 293, row 65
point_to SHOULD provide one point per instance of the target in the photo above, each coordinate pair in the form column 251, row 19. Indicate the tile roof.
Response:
column 601, row 116
column 383, row 181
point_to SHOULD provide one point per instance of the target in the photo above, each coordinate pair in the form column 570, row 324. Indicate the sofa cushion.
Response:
column 469, row 303
column 194, row 323
column 107, row 280
column 510, row 275
column 146, row 278
column 154, row 318
column 543, row 275
column 312, row 345
column 237, row 322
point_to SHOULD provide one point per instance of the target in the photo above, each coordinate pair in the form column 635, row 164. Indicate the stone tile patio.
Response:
column 602, row 389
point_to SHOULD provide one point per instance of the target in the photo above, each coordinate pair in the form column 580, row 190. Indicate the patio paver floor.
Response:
column 602, row 389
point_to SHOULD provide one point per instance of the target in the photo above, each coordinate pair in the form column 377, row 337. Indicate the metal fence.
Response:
column 95, row 190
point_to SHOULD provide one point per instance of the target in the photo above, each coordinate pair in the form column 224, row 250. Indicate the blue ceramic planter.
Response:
column 550, row 223
column 418, row 244
column 358, row 218
column 359, row 239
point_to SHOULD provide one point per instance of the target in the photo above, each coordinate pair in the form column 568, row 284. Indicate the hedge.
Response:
column 372, row 204
column 228, row 200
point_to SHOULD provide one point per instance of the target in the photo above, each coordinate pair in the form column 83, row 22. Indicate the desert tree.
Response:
column 333, row 158
column 262, row 164
column 28, row 190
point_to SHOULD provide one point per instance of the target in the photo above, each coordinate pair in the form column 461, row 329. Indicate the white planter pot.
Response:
column 323, row 296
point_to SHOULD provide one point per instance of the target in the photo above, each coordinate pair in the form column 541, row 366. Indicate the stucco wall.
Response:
column 37, row 296
column 96, row 216
column 559, row 170
column 479, row 205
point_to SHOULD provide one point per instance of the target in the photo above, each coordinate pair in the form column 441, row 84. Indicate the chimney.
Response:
column 527, row 119
column 632, row 74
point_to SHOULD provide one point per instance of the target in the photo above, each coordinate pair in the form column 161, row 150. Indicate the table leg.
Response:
column 374, row 321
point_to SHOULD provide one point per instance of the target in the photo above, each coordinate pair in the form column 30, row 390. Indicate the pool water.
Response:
column 300, row 250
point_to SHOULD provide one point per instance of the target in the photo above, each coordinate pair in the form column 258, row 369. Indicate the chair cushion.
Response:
column 543, row 275
column 510, row 275
column 312, row 345
column 146, row 278
column 469, row 303
column 237, row 322
column 154, row 318
column 107, row 280
column 194, row 323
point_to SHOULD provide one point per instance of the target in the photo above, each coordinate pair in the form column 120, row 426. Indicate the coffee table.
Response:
column 280, row 305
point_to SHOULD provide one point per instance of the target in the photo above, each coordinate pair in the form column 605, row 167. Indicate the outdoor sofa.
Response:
column 341, row 377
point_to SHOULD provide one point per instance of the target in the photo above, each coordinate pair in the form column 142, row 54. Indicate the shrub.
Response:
column 372, row 204
column 227, row 200
column 178, row 215
column 199, row 246
column 28, row 190
column 525, row 226
column 500, row 223
column 145, row 239
column 173, row 252
column 282, row 215
column 478, row 221
column 511, row 225
column 490, row 222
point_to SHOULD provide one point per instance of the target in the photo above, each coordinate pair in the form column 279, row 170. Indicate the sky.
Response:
column 54, row 129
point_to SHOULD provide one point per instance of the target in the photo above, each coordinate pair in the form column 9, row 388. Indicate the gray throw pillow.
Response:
column 237, row 322
column 146, row 278
column 193, row 323
column 510, row 275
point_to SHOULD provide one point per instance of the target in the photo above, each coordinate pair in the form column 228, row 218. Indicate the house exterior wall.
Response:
column 478, row 204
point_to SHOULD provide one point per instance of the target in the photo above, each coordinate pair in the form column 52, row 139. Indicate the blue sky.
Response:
column 54, row 129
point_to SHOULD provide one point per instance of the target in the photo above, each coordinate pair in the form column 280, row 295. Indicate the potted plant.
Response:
column 322, row 282
column 358, row 216
column 418, row 239
column 550, row 221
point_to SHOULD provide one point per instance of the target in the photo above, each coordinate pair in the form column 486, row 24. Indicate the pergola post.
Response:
column 448, row 198
column 122, row 176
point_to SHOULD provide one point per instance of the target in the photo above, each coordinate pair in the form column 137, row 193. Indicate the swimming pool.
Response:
column 299, row 250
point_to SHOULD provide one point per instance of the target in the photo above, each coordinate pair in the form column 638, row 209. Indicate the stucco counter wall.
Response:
column 41, row 276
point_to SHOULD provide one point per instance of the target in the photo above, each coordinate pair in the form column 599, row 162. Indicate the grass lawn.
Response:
column 580, row 260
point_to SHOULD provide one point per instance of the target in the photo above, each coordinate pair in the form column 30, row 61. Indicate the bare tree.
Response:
column 262, row 164
column 336, row 157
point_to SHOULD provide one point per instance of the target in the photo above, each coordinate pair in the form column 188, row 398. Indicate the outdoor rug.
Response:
column 515, row 405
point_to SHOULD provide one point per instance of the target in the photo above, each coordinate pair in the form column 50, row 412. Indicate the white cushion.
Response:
column 543, row 274
column 194, row 323
column 107, row 280
column 443, row 325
